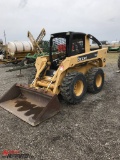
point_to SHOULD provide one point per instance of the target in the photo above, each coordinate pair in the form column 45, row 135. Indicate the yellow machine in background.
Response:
column 71, row 72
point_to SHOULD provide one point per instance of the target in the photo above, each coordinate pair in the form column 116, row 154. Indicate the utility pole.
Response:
column 5, row 36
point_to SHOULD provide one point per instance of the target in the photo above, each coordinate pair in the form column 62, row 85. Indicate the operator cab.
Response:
column 65, row 44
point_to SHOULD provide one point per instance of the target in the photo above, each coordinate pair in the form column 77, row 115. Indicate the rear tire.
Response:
column 95, row 80
column 73, row 87
column 119, row 61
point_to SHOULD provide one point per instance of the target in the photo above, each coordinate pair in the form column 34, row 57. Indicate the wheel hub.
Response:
column 98, row 80
column 78, row 88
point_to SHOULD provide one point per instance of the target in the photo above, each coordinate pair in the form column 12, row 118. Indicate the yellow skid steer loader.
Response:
column 71, row 69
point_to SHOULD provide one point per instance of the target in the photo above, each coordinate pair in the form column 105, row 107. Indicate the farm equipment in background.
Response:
column 28, row 62
column 14, row 52
column 70, row 71
column 29, row 59
column 42, row 49
column 113, row 49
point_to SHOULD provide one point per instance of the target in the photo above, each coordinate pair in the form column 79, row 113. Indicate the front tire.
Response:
column 74, row 87
column 95, row 80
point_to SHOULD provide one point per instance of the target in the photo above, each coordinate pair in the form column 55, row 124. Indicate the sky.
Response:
column 101, row 18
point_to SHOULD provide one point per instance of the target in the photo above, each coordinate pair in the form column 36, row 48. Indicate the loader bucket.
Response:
column 30, row 105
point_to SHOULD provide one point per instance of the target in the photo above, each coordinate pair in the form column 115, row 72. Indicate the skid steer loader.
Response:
column 71, row 72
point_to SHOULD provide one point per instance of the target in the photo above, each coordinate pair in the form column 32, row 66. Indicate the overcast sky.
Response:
column 100, row 18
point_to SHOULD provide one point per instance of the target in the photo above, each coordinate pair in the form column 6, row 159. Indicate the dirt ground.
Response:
column 87, row 131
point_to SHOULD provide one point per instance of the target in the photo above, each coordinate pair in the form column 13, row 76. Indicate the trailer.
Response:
column 113, row 49
column 14, row 52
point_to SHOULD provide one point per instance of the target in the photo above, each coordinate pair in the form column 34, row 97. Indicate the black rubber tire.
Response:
column 91, row 77
column 67, row 87
column 119, row 61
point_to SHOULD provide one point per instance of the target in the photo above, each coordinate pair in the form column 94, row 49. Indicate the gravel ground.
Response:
column 87, row 131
